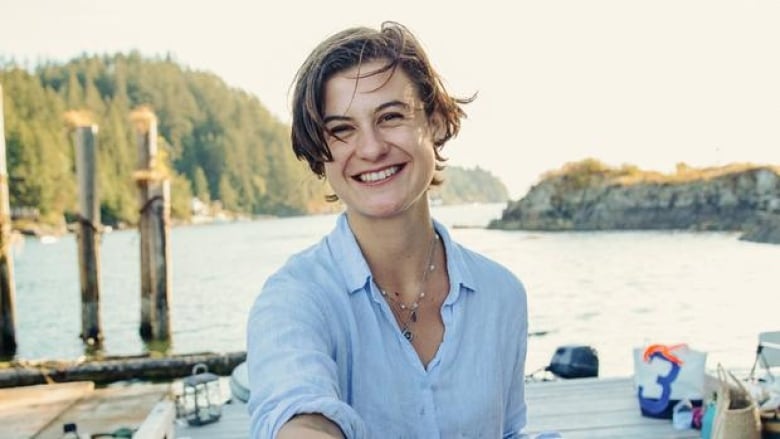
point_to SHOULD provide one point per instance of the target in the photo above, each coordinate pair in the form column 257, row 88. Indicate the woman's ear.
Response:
column 438, row 128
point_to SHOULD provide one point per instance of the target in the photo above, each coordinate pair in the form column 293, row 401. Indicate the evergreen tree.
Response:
column 227, row 195
column 200, row 186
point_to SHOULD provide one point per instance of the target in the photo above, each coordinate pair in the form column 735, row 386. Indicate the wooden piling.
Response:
column 154, row 227
column 7, row 288
column 89, row 233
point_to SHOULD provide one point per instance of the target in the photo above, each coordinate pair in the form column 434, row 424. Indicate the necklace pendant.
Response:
column 408, row 334
column 413, row 316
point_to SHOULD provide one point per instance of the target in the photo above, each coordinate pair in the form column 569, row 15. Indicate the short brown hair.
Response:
column 350, row 48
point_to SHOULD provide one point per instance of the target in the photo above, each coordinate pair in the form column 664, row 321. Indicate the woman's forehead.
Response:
column 367, row 87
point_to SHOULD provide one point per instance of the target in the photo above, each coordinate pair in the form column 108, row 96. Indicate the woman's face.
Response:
column 381, row 141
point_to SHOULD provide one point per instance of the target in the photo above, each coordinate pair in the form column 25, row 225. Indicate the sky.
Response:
column 648, row 83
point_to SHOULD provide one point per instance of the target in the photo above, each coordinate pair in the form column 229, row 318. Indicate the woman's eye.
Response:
column 339, row 130
column 391, row 117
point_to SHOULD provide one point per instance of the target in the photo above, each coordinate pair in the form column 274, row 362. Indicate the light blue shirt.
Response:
column 321, row 339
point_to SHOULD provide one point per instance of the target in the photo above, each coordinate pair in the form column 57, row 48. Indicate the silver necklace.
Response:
column 411, row 308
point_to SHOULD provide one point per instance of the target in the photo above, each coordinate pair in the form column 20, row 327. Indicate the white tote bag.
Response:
column 665, row 375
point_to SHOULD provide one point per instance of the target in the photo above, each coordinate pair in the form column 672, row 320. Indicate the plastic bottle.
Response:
column 70, row 431
column 682, row 416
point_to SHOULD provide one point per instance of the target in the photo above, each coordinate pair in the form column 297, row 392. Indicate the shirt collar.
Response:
column 347, row 255
column 355, row 270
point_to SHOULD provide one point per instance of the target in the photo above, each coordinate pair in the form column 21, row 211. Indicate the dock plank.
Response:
column 589, row 408
column 594, row 408
column 108, row 409
column 26, row 410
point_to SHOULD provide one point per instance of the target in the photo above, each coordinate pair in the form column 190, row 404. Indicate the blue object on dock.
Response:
column 682, row 415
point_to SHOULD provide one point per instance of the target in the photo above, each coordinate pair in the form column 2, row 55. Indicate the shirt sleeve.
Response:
column 290, row 361
column 516, row 409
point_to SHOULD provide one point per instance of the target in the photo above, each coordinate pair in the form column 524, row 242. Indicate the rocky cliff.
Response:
column 589, row 195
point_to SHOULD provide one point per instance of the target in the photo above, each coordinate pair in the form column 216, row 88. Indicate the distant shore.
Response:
column 589, row 195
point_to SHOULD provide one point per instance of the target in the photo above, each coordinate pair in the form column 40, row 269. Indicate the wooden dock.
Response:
column 589, row 408
column 594, row 408
column 40, row 411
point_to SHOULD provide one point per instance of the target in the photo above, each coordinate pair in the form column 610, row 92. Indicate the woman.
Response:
column 386, row 328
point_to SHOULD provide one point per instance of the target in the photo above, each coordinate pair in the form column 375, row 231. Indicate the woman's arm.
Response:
column 310, row 426
column 291, row 362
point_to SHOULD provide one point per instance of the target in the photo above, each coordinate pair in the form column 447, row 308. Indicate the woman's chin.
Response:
column 375, row 208
column 384, row 210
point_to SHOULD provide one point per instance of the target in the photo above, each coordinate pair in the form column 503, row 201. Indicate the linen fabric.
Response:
column 321, row 339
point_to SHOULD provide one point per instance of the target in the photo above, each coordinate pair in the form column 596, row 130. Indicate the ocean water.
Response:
column 610, row 290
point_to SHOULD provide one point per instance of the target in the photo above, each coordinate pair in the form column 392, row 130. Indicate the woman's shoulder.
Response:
column 487, row 274
column 302, row 272
column 480, row 263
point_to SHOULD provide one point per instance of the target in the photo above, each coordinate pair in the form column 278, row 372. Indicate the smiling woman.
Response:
column 387, row 327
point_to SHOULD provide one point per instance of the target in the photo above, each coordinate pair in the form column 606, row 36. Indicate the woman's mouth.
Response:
column 377, row 176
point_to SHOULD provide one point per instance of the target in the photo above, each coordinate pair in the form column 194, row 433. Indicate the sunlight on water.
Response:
column 610, row 290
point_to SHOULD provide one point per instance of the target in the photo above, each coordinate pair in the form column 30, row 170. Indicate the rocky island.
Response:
column 589, row 195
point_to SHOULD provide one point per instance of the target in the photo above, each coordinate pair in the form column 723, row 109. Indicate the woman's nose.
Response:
column 371, row 145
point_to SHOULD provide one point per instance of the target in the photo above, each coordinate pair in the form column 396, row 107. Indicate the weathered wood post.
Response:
column 153, row 183
column 85, row 137
column 7, row 288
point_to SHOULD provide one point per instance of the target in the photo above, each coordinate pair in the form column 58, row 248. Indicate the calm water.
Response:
column 610, row 290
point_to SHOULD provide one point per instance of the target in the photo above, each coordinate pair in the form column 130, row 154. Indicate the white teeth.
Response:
column 372, row 177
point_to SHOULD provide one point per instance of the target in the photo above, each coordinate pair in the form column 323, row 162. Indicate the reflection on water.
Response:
column 610, row 290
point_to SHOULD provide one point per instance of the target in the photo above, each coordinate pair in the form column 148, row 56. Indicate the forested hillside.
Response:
column 220, row 142
column 470, row 185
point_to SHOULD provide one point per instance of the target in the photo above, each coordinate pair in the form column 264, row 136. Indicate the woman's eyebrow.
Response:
column 395, row 103
column 327, row 119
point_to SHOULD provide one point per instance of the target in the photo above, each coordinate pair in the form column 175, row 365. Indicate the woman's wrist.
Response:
column 310, row 426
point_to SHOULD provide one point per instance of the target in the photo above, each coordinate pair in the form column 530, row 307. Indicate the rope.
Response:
column 85, row 222
column 148, row 203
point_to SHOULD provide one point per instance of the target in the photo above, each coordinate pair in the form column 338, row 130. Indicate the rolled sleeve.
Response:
column 291, row 364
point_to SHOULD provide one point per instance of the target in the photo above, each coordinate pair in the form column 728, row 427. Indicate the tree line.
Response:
column 219, row 142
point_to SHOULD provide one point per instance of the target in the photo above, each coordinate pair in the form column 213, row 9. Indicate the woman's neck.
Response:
column 397, row 249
